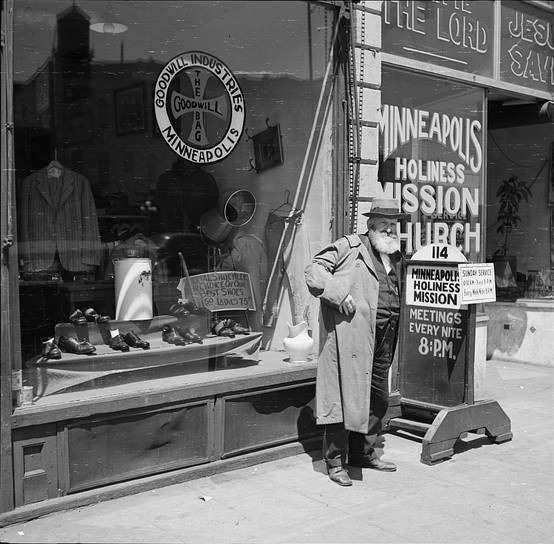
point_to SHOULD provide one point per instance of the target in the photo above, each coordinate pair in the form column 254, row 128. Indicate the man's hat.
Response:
column 386, row 207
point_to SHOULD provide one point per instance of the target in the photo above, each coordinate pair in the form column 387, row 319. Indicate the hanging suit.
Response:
column 58, row 216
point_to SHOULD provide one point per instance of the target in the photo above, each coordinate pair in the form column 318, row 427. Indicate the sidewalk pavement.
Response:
column 493, row 493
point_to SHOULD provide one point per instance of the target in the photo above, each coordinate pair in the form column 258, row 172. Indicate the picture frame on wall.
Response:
column 130, row 109
column 268, row 148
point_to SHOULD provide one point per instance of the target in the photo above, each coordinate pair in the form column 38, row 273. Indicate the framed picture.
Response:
column 130, row 110
column 268, row 148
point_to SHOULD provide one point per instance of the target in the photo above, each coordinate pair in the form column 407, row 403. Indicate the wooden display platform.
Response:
column 49, row 376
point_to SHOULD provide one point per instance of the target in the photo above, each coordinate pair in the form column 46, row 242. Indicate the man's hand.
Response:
column 347, row 306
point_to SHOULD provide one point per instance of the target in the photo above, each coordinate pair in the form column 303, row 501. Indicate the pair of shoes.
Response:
column 77, row 318
column 178, row 310
column 227, row 327
column 374, row 463
column 219, row 328
column 131, row 339
column 94, row 317
column 339, row 476
column 237, row 327
column 189, row 336
column 117, row 343
column 171, row 336
column 50, row 349
column 72, row 345
column 90, row 315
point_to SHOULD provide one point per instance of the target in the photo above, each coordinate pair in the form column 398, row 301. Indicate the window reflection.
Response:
column 85, row 101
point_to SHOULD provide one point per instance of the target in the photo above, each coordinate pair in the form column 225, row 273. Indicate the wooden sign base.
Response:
column 442, row 426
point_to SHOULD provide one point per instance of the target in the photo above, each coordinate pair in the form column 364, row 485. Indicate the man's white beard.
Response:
column 384, row 243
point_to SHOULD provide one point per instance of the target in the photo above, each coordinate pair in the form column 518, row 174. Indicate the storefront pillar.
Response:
column 8, row 253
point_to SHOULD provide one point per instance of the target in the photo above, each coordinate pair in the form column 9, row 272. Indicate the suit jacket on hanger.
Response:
column 58, row 218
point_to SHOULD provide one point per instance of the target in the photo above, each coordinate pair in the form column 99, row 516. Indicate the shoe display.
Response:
column 374, row 463
column 77, row 318
column 72, row 345
column 117, row 343
column 219, row 328
column 131, row 339
column 188, row 335
column 178, row 310
column 237, row 327
column 171, row 336
column 339, row 476
column 94, row 317
column 50, row 349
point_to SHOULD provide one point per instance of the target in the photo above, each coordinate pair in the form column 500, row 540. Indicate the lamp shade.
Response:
column 235, row 208
column 108, row 23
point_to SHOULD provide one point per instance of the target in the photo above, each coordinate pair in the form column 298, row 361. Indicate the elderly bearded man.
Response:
column 357, row 280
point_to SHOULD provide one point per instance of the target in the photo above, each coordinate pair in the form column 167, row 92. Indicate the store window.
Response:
column 166, row 165
column 432, row 159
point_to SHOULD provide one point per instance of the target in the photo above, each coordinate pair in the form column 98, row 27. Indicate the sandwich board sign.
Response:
column 436, row 351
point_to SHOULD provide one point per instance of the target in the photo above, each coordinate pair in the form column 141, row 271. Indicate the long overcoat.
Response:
column 343, row 383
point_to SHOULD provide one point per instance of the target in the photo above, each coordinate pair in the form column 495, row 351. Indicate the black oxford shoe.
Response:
column 93, row 316
column 188, row 335
column 131, row 339
column 117, row 343
column 72, row 345
column 339, row 476
column 171, row 336
column 77, row 318
column 375, row 464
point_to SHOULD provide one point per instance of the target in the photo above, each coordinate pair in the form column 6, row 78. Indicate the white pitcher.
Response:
column 298, row 344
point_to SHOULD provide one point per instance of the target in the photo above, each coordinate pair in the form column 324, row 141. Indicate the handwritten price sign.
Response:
column 220, row 290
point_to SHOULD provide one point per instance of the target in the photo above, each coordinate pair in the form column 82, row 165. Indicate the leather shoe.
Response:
column 188, row 335
column 72, row 345
column 179, row 311
column 50, row 349
column 77, row 318
column 236, row 327
column 117, row 343
column 171, row 336
column 131, row 339
column 375, row 463
column 93, row 316
column 339, row 476
column 220, row 328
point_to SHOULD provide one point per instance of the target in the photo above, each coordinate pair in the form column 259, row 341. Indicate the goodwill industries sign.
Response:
column 199, row 107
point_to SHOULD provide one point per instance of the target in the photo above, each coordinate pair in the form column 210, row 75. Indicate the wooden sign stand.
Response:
column 433, row 387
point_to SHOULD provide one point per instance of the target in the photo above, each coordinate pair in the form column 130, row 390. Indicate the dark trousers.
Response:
column 337, row 441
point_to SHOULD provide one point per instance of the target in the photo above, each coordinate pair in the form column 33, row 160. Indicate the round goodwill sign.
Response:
column 199, row 107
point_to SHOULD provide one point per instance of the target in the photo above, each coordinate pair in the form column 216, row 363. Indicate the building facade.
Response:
column 168, row 168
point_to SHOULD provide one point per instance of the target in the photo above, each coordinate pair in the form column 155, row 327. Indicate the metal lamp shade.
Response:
column 235, row 208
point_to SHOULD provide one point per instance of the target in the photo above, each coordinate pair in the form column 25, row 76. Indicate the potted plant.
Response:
column 510, row 194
